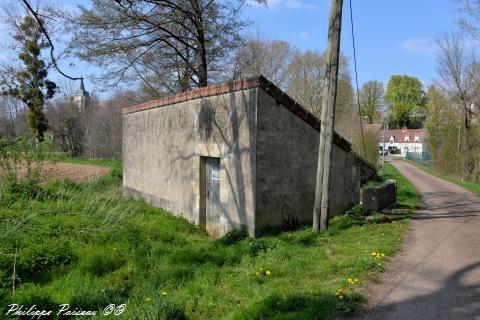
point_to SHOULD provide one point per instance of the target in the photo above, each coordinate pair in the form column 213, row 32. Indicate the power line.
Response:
column 356, row 78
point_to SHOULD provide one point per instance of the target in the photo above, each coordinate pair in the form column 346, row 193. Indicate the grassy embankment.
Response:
column 472, row 186
column 86, row 245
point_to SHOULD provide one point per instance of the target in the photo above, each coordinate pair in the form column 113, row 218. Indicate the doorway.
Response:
column 210, row 194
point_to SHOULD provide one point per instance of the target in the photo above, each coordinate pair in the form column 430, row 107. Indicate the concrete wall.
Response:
column 287, row 149
column 162, row 149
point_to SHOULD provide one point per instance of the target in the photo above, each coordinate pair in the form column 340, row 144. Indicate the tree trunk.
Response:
column 201, row 51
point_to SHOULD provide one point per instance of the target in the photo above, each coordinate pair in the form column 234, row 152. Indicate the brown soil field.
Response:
column 73, row 171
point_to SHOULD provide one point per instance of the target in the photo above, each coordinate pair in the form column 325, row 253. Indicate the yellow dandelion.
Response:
column 261, row 269
column 268, row 273
column 355, row 280
column 373, row 253
column 164, row 293
column 383, row 254
column 257, row 273
column 341, row 297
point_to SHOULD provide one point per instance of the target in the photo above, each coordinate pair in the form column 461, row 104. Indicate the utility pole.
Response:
column 383, row 148
column 320, row 209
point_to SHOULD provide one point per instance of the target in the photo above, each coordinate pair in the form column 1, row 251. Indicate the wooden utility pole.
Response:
column 320, row 210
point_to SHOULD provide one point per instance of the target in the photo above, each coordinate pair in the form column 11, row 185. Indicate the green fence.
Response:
column 421, row 158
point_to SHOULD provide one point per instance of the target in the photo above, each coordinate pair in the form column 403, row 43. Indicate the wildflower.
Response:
column 148, row 299
column 355, row 280
column 373, row 253
column 261, row 269
column 257, row 273
column 340, row 297
column 164, row 293
column 268, row 273
column 383, row 254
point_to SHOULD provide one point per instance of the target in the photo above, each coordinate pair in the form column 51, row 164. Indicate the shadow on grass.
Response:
column 307, row 306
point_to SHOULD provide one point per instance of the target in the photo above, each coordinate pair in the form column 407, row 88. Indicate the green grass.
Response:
column 115, row 164
column 86, row 245
column 471, row 186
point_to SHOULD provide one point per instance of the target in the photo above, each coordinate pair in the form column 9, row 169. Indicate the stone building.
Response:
column 81, row 97
column 240, row 155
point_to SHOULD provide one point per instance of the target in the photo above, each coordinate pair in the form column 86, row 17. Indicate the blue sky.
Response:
column 392, row 37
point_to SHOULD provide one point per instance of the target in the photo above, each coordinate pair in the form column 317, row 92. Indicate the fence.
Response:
column 421, row 158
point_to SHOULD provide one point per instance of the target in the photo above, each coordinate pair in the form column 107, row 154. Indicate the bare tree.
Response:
column 371, row 99
column 67, row 125
column 104, row 126
column 176, row 43
column 12, row 117
column 269, row 58
column 457, row 72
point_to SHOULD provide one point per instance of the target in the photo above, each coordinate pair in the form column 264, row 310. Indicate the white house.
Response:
column 401, row 141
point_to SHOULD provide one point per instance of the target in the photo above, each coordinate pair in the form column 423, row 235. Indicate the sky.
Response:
column 392, row 37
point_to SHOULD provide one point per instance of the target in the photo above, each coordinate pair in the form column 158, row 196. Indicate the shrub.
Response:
column 35, row 261
column 258, row 246
column 232, row 237
column 21, row 163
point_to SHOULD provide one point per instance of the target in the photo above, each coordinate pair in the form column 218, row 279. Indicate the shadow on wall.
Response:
column 455, row 300
column 221, row 122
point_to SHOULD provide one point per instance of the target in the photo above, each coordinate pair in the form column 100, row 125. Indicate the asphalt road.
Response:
column 437, row 275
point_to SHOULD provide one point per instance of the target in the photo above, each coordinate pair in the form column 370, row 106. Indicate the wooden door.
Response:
column 212, row 192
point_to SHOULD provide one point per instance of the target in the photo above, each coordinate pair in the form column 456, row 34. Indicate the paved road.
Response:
column 437, row 275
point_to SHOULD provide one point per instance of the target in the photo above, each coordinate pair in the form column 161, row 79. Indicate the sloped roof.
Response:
column 244, row 84
column 400, row 134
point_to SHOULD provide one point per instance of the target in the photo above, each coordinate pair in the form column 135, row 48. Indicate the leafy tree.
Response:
column 30, row 84
column 371, row 99
column 444, row 128
column 406, row 98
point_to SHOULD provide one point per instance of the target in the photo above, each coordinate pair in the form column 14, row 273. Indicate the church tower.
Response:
column 81, row 97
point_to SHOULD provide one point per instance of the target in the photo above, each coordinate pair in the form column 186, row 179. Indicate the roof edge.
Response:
column 213, row 90
column 244, row 84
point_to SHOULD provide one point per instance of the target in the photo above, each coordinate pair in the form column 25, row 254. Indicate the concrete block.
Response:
column 380, row 197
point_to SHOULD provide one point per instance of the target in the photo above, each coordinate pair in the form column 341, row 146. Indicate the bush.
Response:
column 35, row 261
column 232, row 237
column 21, row 163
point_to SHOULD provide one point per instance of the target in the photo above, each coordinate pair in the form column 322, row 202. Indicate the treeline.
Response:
column 158, row 48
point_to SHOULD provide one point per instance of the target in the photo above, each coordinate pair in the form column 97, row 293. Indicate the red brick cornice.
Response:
column 238, row 85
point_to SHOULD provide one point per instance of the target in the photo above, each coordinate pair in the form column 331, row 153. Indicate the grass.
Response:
column 471, row 186
column 114, row 164
column 85, row 245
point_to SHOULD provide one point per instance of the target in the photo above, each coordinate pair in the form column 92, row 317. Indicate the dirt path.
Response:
column 437, row 275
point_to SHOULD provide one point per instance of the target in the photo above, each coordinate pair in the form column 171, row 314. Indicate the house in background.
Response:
column 401, row 141
column 240, row 155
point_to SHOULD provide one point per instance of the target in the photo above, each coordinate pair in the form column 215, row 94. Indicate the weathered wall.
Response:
column 287, row 150
column 162, row 149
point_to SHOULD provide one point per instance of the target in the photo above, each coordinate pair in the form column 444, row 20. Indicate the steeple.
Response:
column 81, row 97
column 82, row 86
